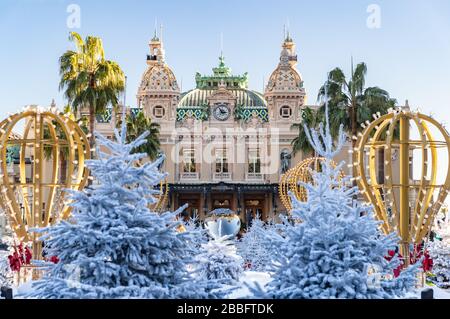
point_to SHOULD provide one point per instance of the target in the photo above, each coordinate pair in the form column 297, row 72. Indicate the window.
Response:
column 221, row 161
column 189, row 161
column 254, row 162
column 285, row 112
column 158, row 111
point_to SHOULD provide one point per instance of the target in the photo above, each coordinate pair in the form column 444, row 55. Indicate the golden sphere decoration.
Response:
column 161, row 197
column 52, row 154
column 384, row 158
column 300, row 173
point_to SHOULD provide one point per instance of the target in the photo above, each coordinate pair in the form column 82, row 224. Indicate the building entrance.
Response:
column 193, row 209
column 254, row 206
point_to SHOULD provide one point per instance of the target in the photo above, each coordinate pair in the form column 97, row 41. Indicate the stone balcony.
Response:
column 219, row 177
column 189, row 176
column 254, row 177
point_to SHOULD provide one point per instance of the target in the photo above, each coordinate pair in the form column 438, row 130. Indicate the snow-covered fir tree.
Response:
column 6, row 242
column 194, row 225
column 439, row 251
column 114, row 246
column 338, row 250
column 219, row 261
column 6, row 275
column 255, row 246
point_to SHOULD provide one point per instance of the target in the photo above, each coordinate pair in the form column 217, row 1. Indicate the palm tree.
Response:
column 300, row 143
column 63, row 150
column 88, row 79
column 137, row 124
column 350, row 103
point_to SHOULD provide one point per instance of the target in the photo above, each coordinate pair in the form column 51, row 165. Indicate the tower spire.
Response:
column 287, row 36
column 288, row 55
column 155, row 31
column 156, row 46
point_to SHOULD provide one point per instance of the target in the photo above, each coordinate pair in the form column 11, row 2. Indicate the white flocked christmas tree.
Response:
column 219, row 261
column 255, row 246
column 337, row 250
column 439, row 251
column 114, row 246
column 6, row 242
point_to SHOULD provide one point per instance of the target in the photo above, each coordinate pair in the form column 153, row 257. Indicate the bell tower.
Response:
column 158, row 93
column 156, row 49
column 284, row 91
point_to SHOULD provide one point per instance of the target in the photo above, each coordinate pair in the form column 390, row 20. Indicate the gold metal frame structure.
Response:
column 36, row 197
column 162, row 197
column 402, row 204
column 300, row 173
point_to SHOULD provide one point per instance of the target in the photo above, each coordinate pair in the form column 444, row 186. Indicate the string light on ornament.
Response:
column 414, row 221
column 289, row 182
column 21, row 190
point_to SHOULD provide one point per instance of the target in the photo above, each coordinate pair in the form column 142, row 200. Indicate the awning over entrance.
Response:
column 246, row 200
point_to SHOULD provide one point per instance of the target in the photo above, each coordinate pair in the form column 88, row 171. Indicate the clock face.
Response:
column 222, row 112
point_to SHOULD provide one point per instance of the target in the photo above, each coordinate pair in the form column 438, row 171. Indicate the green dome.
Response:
column 199, row 97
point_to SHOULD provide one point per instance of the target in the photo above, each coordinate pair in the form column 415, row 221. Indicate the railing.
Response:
column 222, row 176
column 189, row 176
column 257, row 177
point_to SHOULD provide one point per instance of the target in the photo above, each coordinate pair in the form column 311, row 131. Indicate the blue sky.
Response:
column 409, row 55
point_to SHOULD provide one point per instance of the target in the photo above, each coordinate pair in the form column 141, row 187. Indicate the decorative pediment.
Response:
column 222, row 95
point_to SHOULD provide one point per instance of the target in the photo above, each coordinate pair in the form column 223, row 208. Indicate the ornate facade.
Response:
column 226, row 146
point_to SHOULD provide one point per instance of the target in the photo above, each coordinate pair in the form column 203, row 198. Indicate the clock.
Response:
column 221, row 112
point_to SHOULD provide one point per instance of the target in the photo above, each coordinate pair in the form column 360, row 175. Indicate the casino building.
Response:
column 226, row 145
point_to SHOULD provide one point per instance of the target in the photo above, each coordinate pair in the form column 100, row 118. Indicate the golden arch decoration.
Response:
column 403, row 204
column 161, row 197
column 300, row 173
column 52, row 153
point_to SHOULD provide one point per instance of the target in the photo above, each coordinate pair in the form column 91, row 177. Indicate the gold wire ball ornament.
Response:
column 162, row 195
column 51, row 158
column 290, row 181
column 384, row 158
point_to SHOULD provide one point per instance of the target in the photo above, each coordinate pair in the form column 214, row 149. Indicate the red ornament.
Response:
column 415, row 256
column 54, row 259
column 20, row 257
